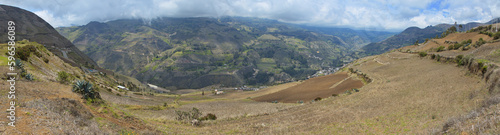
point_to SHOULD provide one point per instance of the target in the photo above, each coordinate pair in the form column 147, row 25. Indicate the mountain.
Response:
column 357, row 38
column 411, row 35
column 493, row 21
column 33, row 28
column 197, row 52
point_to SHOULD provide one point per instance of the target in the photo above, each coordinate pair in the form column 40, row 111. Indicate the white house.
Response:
column 122, row 87
column 217, row 92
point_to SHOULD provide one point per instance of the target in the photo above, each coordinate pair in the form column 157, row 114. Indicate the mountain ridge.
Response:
column 197, row 49
column 31, row 27
column 413, row 34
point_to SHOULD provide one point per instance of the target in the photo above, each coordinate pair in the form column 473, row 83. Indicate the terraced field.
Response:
column 323, row 87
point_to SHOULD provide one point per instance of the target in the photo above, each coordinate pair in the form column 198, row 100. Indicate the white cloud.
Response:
column 362, row 14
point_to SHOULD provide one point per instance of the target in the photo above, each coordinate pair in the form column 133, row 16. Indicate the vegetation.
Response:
column 479, row 42
column 209, row 116
column 459, row 60
column 24, row 52
column 450, row 30
column 440, row 48
column 189, row 117
column 422, row 54
column 206, row 48
column 86, row 89
column 45, row 60
column 29, row 77
column 433, row 56
column 459, row 45
column 63, row 77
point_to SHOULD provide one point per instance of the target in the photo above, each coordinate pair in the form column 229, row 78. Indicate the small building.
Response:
column 217, row 92
column 122, row 87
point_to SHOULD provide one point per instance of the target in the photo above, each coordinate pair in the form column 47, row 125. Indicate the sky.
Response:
column 378, row 15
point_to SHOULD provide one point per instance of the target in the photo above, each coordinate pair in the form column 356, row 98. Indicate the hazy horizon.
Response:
column 383, row 15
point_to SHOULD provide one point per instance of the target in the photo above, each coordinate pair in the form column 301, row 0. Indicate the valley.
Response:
column 199, row 52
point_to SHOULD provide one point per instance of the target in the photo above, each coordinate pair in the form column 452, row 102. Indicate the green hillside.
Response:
column 198, row 52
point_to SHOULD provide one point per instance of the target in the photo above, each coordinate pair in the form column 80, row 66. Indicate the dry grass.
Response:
column 323, row 87
column 409, row 95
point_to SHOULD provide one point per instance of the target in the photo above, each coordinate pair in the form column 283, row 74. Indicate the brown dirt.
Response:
column 313, row 88
column 458, row 37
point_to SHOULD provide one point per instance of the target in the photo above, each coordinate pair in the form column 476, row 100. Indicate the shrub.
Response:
column 24, row 52
column 29, row 77
column 86, row 89
column 484, row 69
column 189, row 116
column 45, row 60
column 63, row 77
column 480, row 42
column 19, row 64
column 422, row 54
column 438, row 57
column 450, row 47
column 317, row 99
column 496, row 36
column 334, row 95
column 209, row 116
column 440, row 48
column 459, row 60
column 433, row 56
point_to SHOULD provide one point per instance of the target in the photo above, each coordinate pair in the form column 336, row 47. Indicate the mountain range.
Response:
column 414, row 34
column 197, row 52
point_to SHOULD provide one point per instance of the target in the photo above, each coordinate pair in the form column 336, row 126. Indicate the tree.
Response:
column 460, row 27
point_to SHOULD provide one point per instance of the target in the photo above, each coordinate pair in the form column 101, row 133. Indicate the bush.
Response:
column 209, row 116
column 45, row 60
column 189, row 116
column 86, row 89
column 317, row 99
column 422, row 54
column 29, row 77
column 24, row 52
column 19, row 64
column 459, row 60
column 440, row 48
column 433, row 56
column 479, row 42
column 496, row 36
column 484, row 69
column 438, row 57
column 63, row 77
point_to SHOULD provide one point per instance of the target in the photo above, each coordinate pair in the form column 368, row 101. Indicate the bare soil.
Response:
column 313, row 88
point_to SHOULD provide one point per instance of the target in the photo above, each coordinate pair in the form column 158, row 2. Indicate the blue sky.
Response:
column 381, row 15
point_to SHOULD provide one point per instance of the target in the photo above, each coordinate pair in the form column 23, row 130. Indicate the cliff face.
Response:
column 33, row 28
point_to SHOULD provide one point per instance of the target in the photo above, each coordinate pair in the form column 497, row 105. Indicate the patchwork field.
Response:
column 323, row 87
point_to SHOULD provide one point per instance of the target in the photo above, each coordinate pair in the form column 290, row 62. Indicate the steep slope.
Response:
column 411, row 35
column 198, row 52
column 357, row 38
column 46, row 104
column 33, row 28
